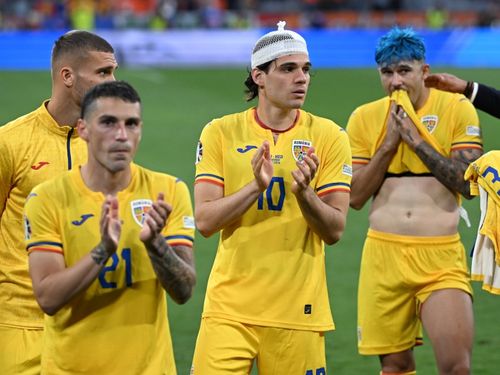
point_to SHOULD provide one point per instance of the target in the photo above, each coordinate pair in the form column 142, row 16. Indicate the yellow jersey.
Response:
column 449, row 118
column 270, row 266
column 119, row 324
column 33, row 148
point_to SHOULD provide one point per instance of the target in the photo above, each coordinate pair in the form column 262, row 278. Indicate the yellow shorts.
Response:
column 229, row 347
column 398, row 273
column 20, row 351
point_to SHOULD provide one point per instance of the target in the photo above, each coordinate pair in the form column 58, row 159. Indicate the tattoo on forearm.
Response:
column 99, row 255
column 450, row 172
column 176, row 276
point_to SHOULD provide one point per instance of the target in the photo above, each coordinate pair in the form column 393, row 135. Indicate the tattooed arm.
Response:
column 448, row 171
column 174, row 266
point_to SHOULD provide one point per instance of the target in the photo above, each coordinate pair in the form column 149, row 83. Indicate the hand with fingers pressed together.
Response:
column 407, row 129
column 155, row 220
column 305, row 172
column 262, row 166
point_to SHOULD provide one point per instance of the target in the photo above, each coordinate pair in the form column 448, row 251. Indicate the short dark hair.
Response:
column 79, row 42
column 252, row 90
column 112, row 89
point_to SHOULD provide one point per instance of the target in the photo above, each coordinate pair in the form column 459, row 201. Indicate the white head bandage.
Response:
column 276, row 44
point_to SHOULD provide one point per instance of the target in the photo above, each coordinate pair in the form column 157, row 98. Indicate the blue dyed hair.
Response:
column 399, row 45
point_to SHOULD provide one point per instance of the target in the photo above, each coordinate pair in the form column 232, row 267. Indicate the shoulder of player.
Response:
column 22, row 129
column 156, row 178
column 367, row 109
column 55, row 186
column 449, row 99
column 320, row 123
column 19, row 125
column 229, row 119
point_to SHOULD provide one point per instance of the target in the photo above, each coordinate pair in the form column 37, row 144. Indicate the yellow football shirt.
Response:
column 270, row 266
column 450, row 118
column 119, row 324
column 33, row 148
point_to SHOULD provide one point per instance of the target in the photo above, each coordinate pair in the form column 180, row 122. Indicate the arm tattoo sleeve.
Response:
column 175, row 274
column 99, row 255
column 449, row 171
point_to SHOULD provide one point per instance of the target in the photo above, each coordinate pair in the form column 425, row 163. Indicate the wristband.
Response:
column 468, row 89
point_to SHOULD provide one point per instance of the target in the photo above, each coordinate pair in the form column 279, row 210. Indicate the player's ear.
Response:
column 67, row 76
column 81, row 127
column 426, row 70
column 258, row 77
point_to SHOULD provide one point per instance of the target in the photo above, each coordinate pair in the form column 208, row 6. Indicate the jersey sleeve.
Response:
column 467, row 131
column 209, row 165
column 40, row 223
column 357, row 138
column 336, row 168
column 180, row 227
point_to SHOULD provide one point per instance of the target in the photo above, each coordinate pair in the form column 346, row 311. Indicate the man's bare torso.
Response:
column 414, row 206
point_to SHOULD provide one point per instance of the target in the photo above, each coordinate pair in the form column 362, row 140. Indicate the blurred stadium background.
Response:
column 189, row 58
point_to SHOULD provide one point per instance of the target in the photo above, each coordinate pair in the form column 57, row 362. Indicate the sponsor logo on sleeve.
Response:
column 27, row 228
column 188, row 222
column 473, row 130
column 347, row 170
column 199, row 152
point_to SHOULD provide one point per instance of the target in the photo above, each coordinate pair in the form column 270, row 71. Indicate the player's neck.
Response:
column 422, row 98
column 64, row 112
column 100, row 179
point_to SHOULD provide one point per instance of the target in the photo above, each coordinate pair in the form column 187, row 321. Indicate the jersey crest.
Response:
column 300, row 148
column 430, row 122
column 140, row 208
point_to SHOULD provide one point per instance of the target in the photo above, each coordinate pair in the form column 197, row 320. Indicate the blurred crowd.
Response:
column 185, row 14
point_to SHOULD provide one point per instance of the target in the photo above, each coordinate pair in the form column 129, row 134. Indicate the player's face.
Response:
column 405, row 75
column 113, row 130
column 97, row 68
column 286, row 82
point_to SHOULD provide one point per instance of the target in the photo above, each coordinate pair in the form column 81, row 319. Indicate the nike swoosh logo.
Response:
column 82, row 220
column 246, row 149
column 39, row 165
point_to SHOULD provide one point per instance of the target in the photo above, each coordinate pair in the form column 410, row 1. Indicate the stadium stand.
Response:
column 216, row 14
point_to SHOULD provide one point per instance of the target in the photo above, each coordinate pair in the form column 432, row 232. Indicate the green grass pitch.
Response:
column 178, row 103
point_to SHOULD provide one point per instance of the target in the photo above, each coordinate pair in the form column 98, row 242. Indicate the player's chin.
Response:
column 119, row 165
column 296, row 103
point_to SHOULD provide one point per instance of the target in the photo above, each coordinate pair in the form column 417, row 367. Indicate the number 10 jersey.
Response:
column 269, row 268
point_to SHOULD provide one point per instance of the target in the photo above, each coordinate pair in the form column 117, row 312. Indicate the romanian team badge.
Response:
column 430, row 122
column 299, row 149
column 140, row 208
